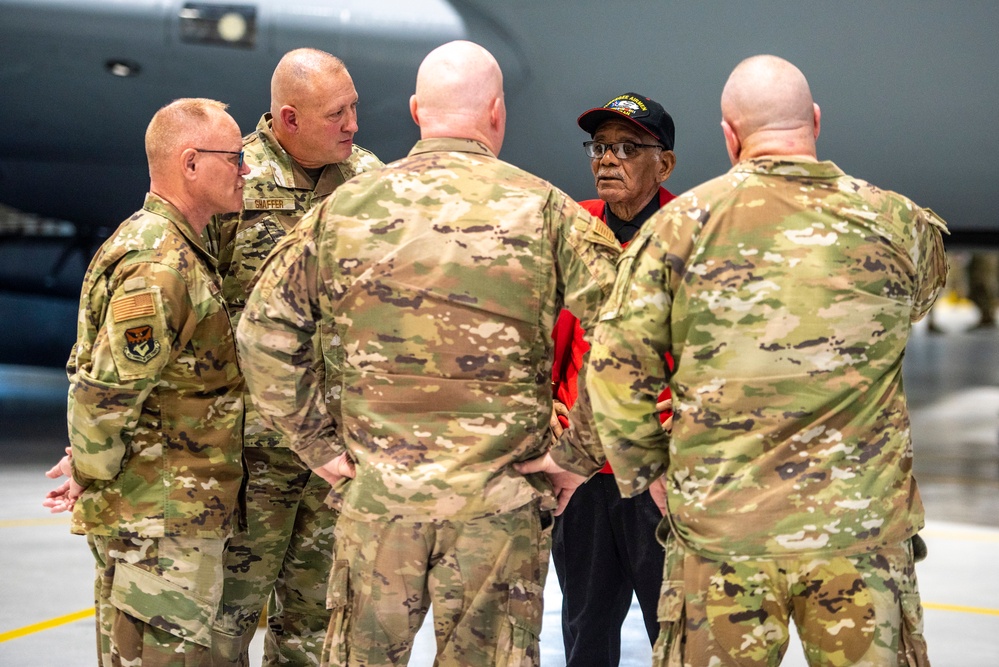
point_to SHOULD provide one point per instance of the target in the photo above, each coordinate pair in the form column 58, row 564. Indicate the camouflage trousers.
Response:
column 156, row 599
column 484, row 578
column 282, row 559
column 862, row 610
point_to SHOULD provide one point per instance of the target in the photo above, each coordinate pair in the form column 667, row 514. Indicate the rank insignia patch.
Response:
column 140, row 345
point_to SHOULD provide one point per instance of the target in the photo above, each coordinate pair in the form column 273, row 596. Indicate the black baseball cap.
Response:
column 643, row 111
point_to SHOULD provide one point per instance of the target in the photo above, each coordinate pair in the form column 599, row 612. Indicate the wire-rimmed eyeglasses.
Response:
column 622, row 149
column 239, row 163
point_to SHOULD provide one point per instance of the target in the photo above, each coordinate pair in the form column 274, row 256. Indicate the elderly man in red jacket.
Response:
column 604, row 546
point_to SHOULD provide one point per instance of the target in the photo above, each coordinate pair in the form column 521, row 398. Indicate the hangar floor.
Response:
column 952, row 380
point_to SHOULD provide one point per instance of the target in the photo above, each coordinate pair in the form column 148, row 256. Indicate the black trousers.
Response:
column 604, row 548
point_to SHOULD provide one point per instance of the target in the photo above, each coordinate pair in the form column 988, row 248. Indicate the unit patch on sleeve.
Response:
column 140, row 345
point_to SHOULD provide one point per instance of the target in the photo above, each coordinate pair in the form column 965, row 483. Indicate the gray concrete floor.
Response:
column 952, row 380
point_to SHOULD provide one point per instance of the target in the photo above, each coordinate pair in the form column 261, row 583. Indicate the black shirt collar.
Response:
column 625, row 230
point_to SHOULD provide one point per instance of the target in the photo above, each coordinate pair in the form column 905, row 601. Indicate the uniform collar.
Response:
column 288, row 173
column 787, row 166
column 161, row 207
column 450, row 144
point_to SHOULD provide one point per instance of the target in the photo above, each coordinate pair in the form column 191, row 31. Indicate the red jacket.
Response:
column 567, row 335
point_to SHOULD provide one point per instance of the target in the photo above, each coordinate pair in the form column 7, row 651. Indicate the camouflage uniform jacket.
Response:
column 277, row 194
column 436, row 281
column 785, row 291
column 155, row 393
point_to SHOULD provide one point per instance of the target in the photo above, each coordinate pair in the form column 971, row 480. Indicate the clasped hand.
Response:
column 63, row 497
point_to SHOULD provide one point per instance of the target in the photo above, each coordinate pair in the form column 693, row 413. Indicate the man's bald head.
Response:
column 313, row 107
column 298, row 75
column 768, row 106
column 459, row 93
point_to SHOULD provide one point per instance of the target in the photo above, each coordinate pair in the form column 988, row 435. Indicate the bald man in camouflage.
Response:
column 434, row 284
column 785, row 291
column 156, row 402
column 301, row 151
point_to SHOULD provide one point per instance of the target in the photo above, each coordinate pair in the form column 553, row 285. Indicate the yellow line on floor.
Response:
column 961, row 608
column 21, row 523
column 959, row 535
column 86, row 613
column 46, row 625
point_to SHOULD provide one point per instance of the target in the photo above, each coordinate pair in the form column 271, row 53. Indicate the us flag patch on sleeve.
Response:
column 132, row 306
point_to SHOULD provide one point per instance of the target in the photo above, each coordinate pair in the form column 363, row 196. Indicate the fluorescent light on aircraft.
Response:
column 218, row 25
column 232, row 27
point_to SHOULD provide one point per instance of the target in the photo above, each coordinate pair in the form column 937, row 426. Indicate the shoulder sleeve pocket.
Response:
column 138, row 336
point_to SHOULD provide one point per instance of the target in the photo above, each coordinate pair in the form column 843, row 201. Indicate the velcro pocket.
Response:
column 338, row 602
column 668, row 648
column 912, row 643
column 162, row 604
column 138, row 336
column 519, row 643
column 670, row 602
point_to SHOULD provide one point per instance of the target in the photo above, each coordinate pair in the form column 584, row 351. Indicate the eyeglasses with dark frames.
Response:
column 239, row 163
column 622, row 149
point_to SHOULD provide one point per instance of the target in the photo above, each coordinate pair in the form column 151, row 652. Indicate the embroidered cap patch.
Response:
column 140, row 345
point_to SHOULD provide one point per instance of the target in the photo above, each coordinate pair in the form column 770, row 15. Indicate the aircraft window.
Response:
column 219, row 25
